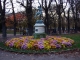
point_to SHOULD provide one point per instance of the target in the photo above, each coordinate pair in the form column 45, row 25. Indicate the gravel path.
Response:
column 4, row 55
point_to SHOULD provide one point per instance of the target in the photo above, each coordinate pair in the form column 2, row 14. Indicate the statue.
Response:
column 39, row 12
column 39, row 25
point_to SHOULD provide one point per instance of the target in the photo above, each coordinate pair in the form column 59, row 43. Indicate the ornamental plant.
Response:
column 50, row 42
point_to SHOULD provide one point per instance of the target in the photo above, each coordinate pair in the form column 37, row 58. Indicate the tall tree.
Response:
column 68, row 16
column 53, row 18
column 14, row 17
column 77, row 6
column 29, row 13
column 73, row 6
column 59, row 10
column 78, row 14
column 2, row 15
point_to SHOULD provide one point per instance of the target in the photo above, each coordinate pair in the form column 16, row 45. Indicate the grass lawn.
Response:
column 75, row 37
column 11, row 32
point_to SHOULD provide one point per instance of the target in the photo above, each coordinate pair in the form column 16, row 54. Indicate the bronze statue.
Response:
column 39, row 12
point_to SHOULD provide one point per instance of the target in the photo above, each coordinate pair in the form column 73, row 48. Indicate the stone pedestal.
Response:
column 39, row 29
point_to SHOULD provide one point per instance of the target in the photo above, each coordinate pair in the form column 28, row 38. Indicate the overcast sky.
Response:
column 18, row 7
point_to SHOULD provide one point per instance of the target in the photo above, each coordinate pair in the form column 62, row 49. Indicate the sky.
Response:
column 18, row 7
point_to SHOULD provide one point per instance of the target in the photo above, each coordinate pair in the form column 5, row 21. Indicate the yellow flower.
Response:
column 63, row 45
column 48, row 47
column 29, row 45
column 7, row 43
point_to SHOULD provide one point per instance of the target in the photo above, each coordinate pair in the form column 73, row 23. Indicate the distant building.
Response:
column 20, row 16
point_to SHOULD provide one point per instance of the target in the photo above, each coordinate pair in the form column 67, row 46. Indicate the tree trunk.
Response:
column 68, row 22
column 76, row 22
column 59, row 18
column 59, row 23
column 2, row 13
column 30, row 29
column 3, row 25
column 0, row 26
column 4, row 30
column 46, row 21
column 29, row 17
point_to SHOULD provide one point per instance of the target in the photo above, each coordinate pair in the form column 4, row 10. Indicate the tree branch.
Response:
column 6, row 3
column 42, row 4
column 8, row 11
column 21, row 4
column 49, row 3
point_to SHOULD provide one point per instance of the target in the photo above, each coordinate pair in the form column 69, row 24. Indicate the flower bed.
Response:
column 50, row 42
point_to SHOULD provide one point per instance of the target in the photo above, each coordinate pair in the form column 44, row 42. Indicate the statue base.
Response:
column 39, row 35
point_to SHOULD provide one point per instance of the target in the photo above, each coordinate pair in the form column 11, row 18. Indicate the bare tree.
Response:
column 74, row 5
column 59, row 11
column 14, row 17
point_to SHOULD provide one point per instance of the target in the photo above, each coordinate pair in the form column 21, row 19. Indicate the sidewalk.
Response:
column 9, row 36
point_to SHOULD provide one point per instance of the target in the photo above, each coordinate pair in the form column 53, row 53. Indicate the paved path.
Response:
column 4, row 55
column 11, row 35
